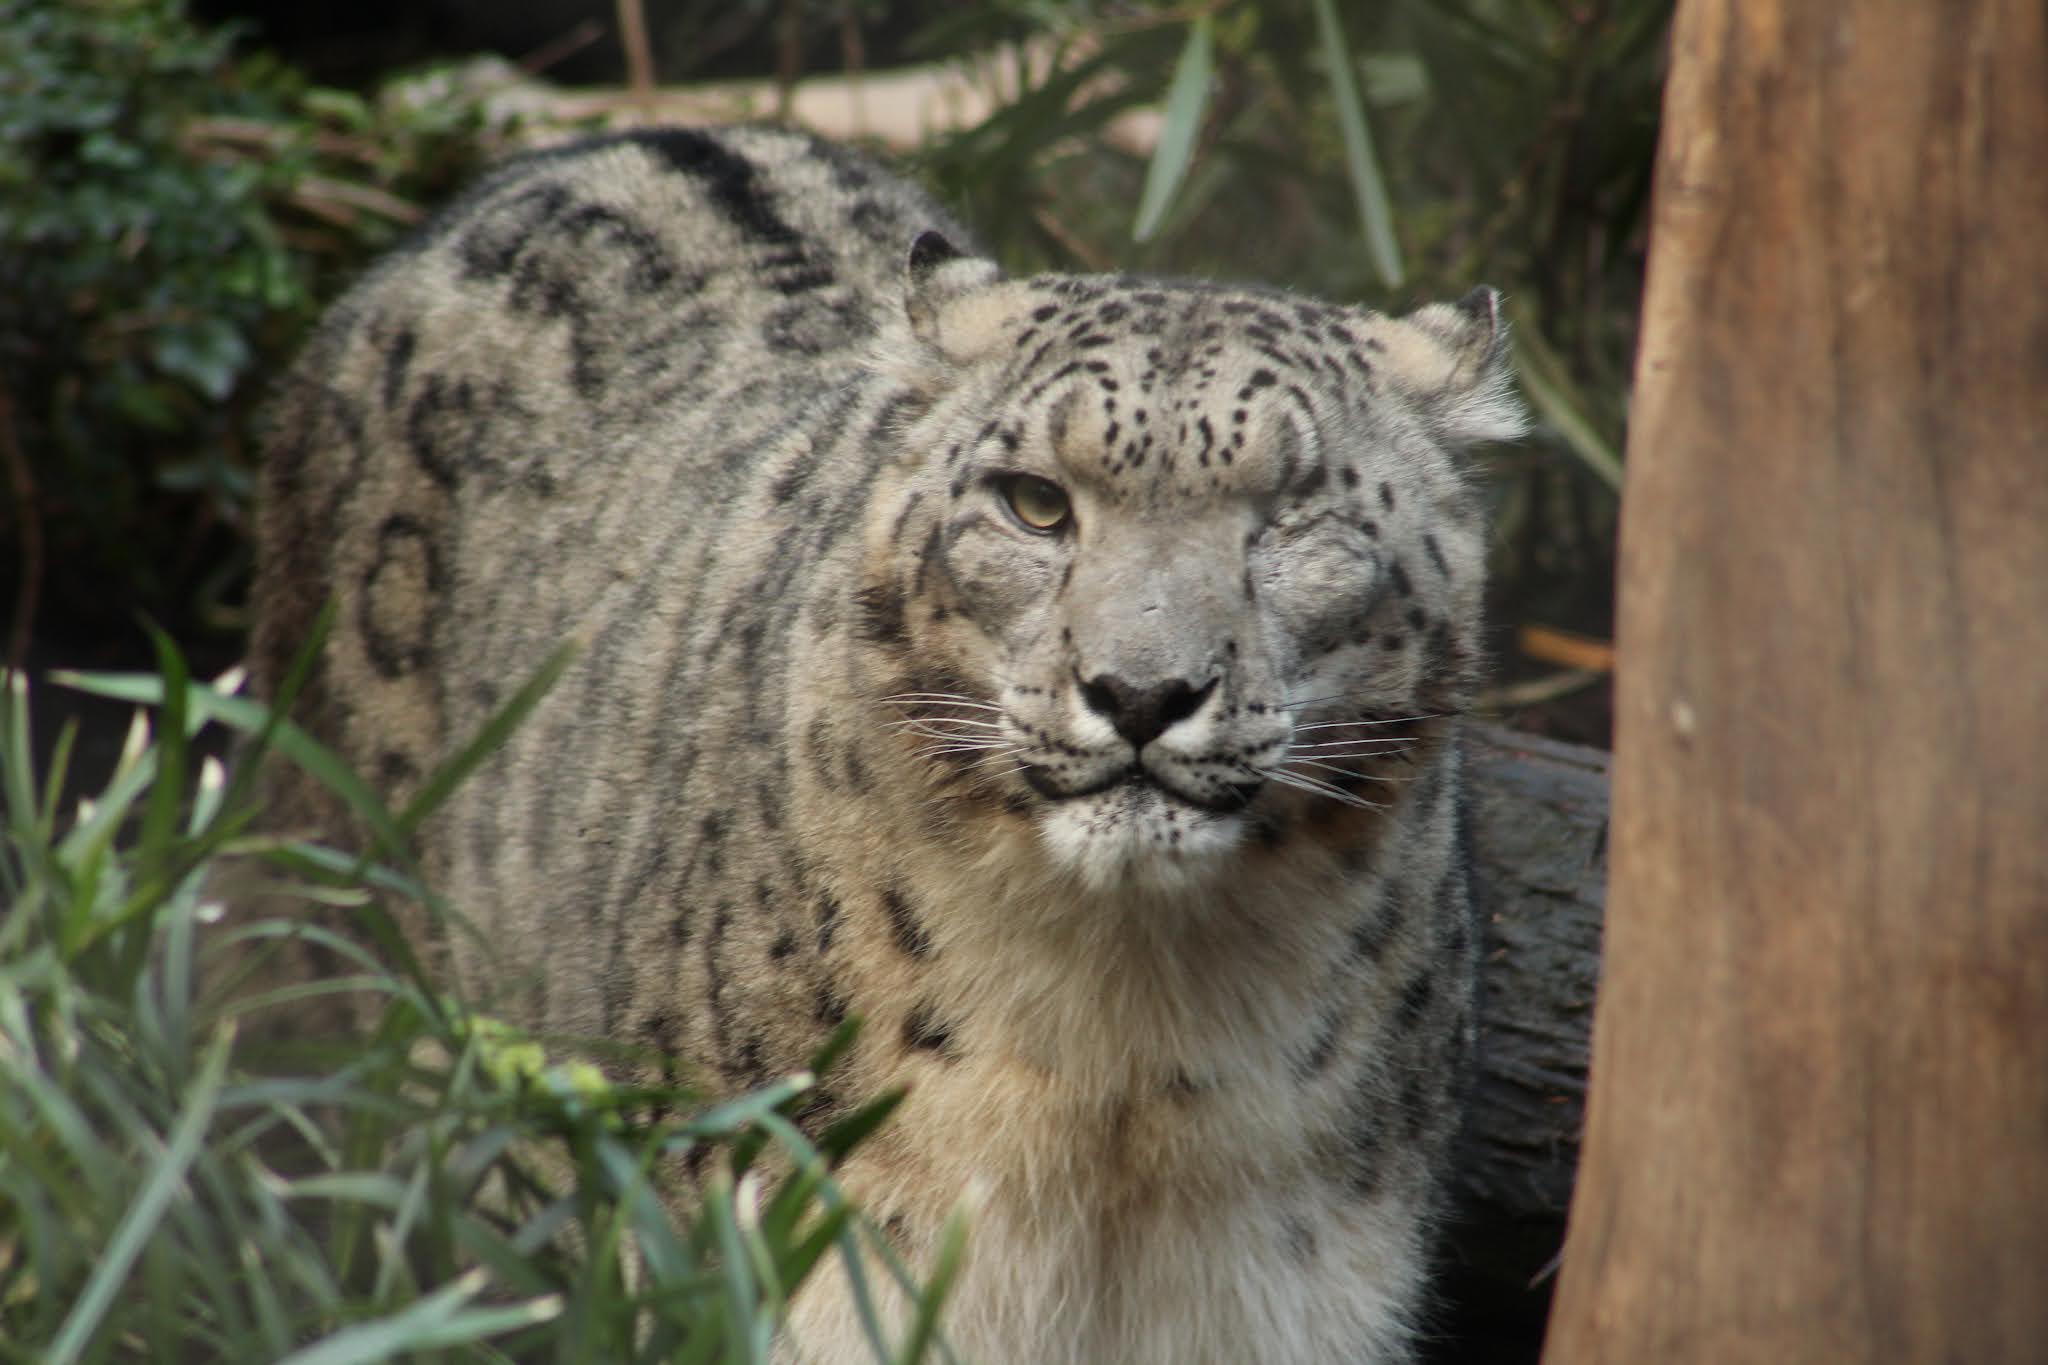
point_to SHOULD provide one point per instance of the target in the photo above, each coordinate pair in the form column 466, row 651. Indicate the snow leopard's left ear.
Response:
column 949, row 299
column 1453, row 361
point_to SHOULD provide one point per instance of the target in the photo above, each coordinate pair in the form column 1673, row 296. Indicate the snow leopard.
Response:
column 1062, row 673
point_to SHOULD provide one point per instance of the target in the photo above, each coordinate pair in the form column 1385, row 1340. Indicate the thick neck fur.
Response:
column 1136, row 987
column 1129, row 988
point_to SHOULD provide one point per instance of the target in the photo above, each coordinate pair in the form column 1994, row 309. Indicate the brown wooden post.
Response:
column 1818, row 1126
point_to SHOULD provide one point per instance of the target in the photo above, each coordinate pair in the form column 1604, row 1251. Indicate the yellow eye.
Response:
column 1039, row 504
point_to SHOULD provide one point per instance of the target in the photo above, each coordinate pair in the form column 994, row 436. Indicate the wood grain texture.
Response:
column 1818, row 1121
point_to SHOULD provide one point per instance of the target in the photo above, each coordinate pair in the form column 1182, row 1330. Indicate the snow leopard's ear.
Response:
column 946, row 297
column 1453, row 361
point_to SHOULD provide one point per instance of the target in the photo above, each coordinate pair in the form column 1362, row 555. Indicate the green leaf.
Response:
column 436, row 1321
column 449, row 775
column 1187, row 100
column 209, row 354
column 945, row 1269
column 847, row 1133
column 1375, row 211
column 166, row 1180
column 727, row 1119
column 836, row 1046
column 739, row 1283
column 160, row 814
column 660, row 1252
column 253, row 718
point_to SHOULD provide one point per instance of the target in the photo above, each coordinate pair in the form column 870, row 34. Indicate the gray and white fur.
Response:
column 1062, row 673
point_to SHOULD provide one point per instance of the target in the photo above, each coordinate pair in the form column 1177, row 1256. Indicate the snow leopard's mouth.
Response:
column 1226, row 800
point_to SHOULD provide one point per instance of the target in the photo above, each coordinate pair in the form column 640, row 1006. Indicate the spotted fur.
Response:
column 1134, row 836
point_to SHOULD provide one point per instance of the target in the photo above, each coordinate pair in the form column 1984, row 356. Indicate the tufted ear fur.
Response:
column 955, row 306
column 1452, row 358
column 937, row 277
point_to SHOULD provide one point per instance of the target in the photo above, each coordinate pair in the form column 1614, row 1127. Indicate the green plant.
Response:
column 172, row 216
column 435, row 1187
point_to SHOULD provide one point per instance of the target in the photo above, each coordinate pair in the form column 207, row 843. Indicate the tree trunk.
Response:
column 1818, row 1126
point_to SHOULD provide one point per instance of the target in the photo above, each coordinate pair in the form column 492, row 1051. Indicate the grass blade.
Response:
column 163, row 1184
column 252, row 718
column 1187, row 100
column 17, row 773
column 488, row 740
column 167, row 794
column 1375, row 211
column 945, row 1269
column 435, row 1321
column 1543, row 379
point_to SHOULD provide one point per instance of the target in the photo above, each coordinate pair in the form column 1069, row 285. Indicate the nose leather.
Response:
column 1142, row 713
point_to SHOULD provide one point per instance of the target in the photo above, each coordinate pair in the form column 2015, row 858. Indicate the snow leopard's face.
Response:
column 1182, row 566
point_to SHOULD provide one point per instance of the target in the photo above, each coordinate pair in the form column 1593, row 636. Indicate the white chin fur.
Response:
column 1132, row 835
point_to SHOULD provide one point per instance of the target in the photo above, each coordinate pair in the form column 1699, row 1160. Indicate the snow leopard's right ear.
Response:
column 1453, row 360
column 941, row 288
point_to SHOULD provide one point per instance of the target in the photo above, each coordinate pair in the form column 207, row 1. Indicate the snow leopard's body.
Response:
column 1059, row 673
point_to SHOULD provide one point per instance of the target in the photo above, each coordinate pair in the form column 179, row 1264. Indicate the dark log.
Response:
column 1539, row 841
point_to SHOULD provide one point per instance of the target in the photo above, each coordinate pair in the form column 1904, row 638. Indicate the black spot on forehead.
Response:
column 1198, row 356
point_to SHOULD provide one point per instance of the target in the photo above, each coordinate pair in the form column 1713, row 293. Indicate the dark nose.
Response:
column 1142, row 714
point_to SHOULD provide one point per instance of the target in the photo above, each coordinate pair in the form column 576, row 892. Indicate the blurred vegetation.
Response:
column 173, row 214
column 174, row 209
column 179, row 1180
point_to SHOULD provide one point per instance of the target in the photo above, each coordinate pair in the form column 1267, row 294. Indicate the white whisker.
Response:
column 1346, row 753
column 1348, row 772
column 1316, row 787
column 1316, row 701
column 938, row 699
column 1350, row 763
column 933, row 750
column 1391, row 720
column 1293, row 763
column 935, row 721
column 1380, row 745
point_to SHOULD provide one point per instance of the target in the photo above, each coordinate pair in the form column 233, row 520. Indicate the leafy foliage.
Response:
column 170, row 1191
column 172, row 216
